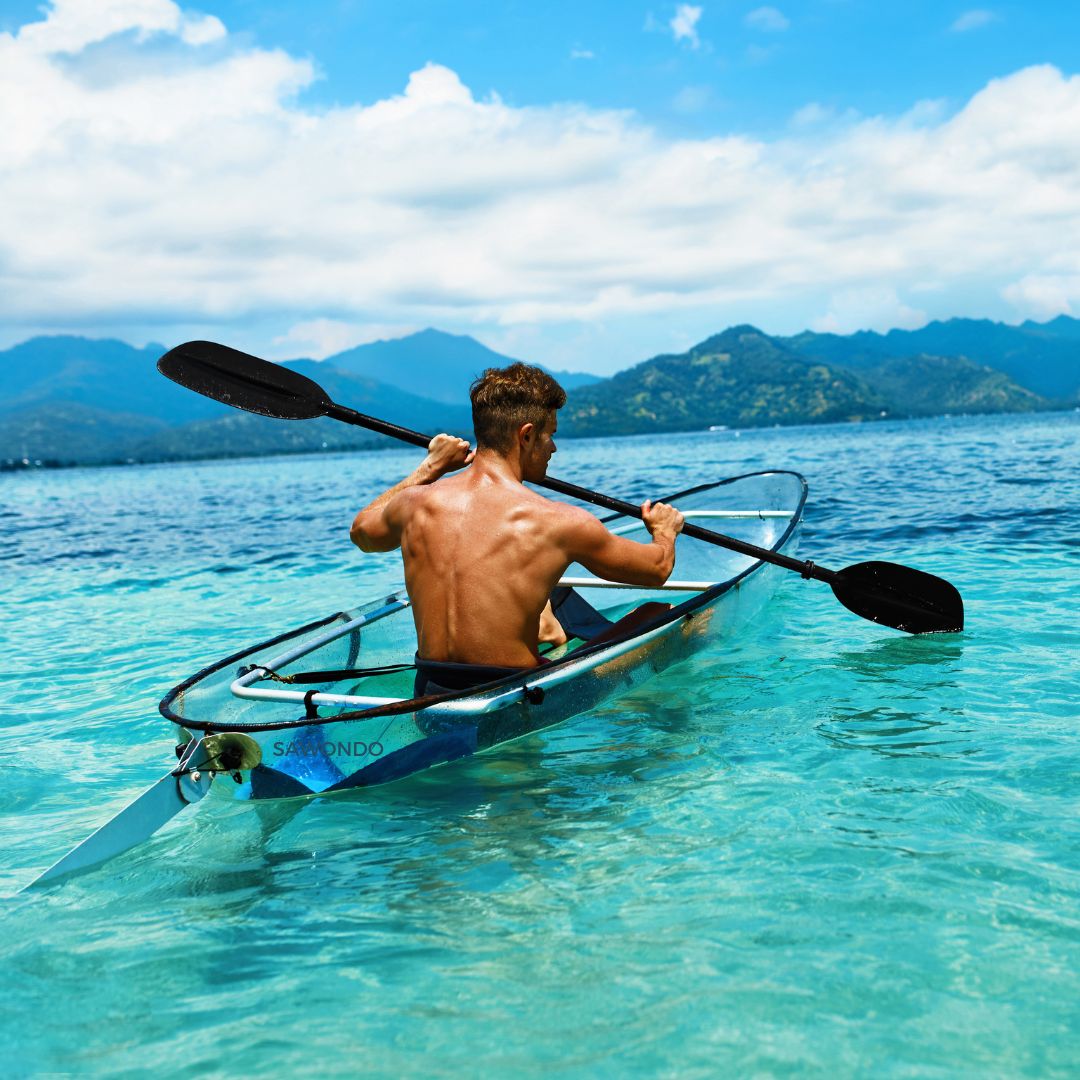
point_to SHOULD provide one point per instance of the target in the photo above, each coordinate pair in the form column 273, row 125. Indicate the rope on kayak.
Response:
column 301, row 677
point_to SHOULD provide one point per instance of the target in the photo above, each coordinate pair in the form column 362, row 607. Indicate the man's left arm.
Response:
column 373, row 529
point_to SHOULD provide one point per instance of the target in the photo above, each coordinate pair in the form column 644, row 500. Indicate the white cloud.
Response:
column 577, row 53
column 973, row 20
column 813, row 114
column 684, row 24
column 1054, row 290
column 317, row 339
column 196, row 30
column 71, row 25
column 768, row 19
column 201, row 190
column 872, row 308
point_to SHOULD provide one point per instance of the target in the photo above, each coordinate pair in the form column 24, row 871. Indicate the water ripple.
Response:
column 820, row 848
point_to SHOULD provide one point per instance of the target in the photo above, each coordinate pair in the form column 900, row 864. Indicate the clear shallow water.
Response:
column 832, row 849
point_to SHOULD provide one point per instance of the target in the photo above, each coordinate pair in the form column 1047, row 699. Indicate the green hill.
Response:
column 1041, row 357
column 103, row 375
column 932, row 385
column 744, row 378
column 75, row 400
column 740, row 378
column 69, row 432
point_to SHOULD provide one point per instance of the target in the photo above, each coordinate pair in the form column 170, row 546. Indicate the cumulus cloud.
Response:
column 202, row 190
column 71, row 25
column 972, row 20
column 768, row 19
column 318, row 338
column 1054, row 290
column 872, row 308
column 684, row 24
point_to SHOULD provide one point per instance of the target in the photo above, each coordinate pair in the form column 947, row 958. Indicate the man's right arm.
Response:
column 616, row 558
column 375, row 528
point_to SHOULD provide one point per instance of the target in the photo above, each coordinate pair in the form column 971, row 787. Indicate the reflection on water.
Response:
column 917, row 711
column 902, row 656
column 820, row 847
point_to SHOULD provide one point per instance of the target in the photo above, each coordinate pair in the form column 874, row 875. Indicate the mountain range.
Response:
column 443, row 364
column 71, row 400
column 1042, row 357
column 744, row 378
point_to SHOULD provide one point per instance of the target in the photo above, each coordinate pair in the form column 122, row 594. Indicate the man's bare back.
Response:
column 482, row 554
column 482, row 551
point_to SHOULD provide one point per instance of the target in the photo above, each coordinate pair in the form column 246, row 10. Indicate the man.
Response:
column 483, row 553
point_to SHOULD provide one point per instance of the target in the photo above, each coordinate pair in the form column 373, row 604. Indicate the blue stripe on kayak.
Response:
column 436, row 750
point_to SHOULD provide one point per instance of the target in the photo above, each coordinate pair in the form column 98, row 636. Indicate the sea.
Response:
column 824, row 848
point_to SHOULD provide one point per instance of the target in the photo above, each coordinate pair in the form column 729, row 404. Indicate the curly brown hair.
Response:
column 505, row 398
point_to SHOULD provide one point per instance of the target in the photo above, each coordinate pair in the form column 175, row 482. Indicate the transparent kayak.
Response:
column 329, row 706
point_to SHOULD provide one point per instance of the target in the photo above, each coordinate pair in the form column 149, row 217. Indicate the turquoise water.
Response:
column 831, row 849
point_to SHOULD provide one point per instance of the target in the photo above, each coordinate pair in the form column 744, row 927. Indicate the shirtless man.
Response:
column 482, row 552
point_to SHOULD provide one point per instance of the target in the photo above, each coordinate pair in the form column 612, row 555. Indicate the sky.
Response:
column 581, row 185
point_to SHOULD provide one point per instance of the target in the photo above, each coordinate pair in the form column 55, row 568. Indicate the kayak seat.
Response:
column 577, row 617
column 631, row 623
column 581, row 620
column 444, row 676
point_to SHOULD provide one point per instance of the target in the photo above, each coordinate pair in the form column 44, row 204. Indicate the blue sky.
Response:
column 584, row 185
column 743, row 75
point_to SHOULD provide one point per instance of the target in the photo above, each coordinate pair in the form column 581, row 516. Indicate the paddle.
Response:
column 882, row 592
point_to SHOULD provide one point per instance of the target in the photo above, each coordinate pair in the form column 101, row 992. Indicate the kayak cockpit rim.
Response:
column 518, row 683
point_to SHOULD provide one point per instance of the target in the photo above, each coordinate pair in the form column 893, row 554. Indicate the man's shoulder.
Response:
column 405, row 502
column 552, row 507
column 571, row 520
column 530, row 509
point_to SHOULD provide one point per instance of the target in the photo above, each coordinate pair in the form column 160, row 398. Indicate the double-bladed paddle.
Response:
column 883, row 592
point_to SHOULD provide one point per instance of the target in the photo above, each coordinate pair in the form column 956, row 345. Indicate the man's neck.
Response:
column 491, row 463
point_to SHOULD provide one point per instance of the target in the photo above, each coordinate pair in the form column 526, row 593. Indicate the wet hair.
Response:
column 505, row 398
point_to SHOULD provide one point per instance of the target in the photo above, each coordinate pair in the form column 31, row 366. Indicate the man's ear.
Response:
column 526, row 434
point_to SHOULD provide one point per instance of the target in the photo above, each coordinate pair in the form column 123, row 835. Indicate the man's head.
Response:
column 514, row 409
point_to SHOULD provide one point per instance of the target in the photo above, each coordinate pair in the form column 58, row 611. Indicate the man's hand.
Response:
column 445, row 454
column 661, row 519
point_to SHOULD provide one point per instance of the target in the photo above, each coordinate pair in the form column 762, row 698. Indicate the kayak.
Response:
column 330, row 706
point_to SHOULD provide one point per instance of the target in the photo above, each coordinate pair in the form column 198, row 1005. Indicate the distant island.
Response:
column 73, row 401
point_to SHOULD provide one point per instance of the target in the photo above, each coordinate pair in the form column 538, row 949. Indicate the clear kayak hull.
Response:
column 330, row 705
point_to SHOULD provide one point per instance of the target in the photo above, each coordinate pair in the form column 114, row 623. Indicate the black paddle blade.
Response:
column 898, row 596
column 244, row 382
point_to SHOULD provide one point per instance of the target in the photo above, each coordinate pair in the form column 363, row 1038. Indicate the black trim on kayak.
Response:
column 164, row 706
column 410, row 705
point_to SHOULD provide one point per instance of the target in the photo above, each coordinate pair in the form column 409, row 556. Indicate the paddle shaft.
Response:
column 807, row 569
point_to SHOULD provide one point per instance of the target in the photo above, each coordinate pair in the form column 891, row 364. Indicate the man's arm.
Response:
column 616, row 558
column 373, row 529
